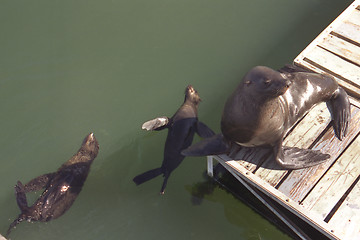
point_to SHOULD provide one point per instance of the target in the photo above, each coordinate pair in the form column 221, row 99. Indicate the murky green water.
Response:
column 71, row 67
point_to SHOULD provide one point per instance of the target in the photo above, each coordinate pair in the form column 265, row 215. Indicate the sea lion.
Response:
column 264, row 107
column 181, row 129
column 61, row 187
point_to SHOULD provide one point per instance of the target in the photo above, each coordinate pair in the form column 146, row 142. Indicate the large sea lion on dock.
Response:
column 61, row 187
column 264, row 107
column 181, row 129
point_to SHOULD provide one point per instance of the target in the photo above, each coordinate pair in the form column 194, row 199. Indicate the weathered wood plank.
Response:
column 346, row 220
column 350, row 28
column 335, row 182
column 342, row 48
column 336, row 64
column 309, row 128
column 346, row 25
column 299, row 182
column 236, row 169
column 302, row 136
column 333, row 26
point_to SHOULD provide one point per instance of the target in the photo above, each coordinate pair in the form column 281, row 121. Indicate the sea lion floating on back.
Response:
column 61, row 187
column 266, row 104
column 182, row 127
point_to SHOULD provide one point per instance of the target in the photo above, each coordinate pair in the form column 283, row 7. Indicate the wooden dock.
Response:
column 325, row 196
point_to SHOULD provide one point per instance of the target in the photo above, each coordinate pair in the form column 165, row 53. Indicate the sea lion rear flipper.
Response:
column 156, row 124
column 146, row 176
column 13, row 224
column 166, row 178
column 203, row 131
column 339, row 107
column 21, row 196
column 209, row 146
column 297, row 158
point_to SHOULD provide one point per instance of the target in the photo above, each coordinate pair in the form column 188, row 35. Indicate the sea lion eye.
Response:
column 267, row 81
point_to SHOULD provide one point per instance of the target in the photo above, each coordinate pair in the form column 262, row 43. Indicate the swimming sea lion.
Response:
column 266, row 104
column 182, row 127
column 61, row 187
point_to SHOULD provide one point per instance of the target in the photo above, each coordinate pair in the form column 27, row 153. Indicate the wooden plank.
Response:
column 303, row 135
column 337, row 65
column 342, row 48
column 346, row 220
column 335, row 183
column 236, row 169
column 300, row 182
column 309, row 128
column 345, row 25
column 334, row 25
column 350, row 28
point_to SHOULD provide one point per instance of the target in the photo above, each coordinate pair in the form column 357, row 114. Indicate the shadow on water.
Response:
column 223, row 181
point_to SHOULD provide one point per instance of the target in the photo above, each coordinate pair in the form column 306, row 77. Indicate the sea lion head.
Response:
column 90, row 144
column 192, row 95
column 266, row 82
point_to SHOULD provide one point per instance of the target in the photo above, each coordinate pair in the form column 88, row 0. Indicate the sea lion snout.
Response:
column 90, row 143
column 192, row 94
column 285, row 86
column 190, row 88
column 89, row 138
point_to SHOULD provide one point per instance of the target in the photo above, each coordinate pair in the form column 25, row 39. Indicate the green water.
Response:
column 68, row 68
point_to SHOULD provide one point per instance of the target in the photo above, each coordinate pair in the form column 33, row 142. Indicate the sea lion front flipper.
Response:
column 38, row 183
column 203, row 131
column 297, row 158
column 156, row 124
column 209, row 146
column 339, row 107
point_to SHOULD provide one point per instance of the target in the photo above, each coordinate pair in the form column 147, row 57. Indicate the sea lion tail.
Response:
column 209, row 146
column 148, row 175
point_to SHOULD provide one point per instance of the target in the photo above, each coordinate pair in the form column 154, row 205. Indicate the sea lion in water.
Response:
column 181, row 129
column 61, row 187
column 266, row 104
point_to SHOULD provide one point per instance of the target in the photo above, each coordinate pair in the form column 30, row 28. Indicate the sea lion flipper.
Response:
column 156, row 124
column 339, row 107
column 23, row 205
column 13, row 225
column 21, row 196
column 209, row 146
column 203, row 131
column 297, row 158
column 146, row 176
column 38, row 183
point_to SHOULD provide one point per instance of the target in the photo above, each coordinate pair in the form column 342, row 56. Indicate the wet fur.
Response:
column 60, row 188
column 182, row 127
